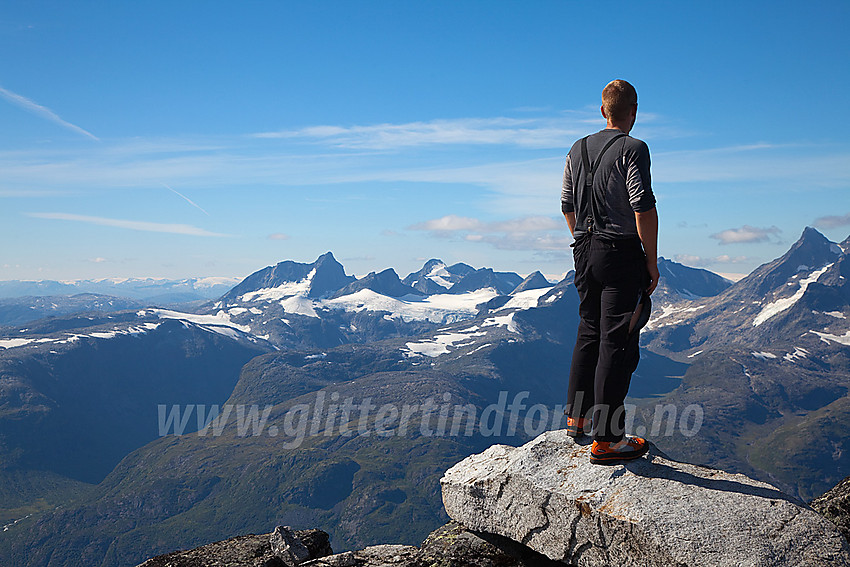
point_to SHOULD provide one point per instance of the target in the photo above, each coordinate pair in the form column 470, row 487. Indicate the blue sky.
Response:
column 183, row 139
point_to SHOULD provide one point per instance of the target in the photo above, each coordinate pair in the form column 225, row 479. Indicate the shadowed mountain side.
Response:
column 78, row 410
column 361, row 488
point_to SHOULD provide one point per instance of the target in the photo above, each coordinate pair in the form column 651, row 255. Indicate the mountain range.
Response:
column 765, row 359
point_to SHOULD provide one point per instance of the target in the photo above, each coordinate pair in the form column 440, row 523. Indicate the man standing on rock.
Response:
column 608, row 202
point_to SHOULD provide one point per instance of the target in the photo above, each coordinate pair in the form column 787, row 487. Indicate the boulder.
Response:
column 645, row 513
column 834, row 505
column 251, row 550
column 288, row 547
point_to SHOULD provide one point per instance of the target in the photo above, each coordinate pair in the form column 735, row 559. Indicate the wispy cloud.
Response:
column 278, row 236
column 691, row 260
column 529, row 132
column 187, row 199
column 788, row 163
column 43, row 111
column 833, row 221
column 143, row 226
column 538, row 233
column 747, row 234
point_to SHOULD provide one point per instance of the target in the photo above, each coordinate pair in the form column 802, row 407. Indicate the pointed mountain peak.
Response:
column 326, row 258
column 812, row 237
column 432, row 263
column 433, row 278
column 460, row 269
column 680, row 281
column 534, row 280
column 812, row 252
column 385, row 282
column 327, row 276
column 320, row 278
column 502, row 282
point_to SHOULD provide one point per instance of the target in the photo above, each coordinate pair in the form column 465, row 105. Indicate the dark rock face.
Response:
column 533, row 281
column 503, row 282
column 386, row 283
column 689, row 283
column 451, row 545
column 251, row 551
column 834, row 505
column 326, row 275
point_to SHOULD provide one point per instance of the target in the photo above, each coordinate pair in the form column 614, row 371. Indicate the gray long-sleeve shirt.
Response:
column 622, row 177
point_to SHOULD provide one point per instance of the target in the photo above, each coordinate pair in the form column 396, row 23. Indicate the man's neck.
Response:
column 621, row 127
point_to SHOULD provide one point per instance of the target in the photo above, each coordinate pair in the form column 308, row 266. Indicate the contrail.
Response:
column 188, row 200
column 43, row 111
column 128, row 224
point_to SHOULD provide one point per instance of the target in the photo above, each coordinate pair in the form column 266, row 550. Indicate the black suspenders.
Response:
column 597, row 217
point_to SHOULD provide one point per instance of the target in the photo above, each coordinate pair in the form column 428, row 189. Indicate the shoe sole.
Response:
column 614, row 458
column 575, row 433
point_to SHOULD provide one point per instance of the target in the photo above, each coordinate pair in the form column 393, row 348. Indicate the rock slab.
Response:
column 651, row 512
column 834, row 505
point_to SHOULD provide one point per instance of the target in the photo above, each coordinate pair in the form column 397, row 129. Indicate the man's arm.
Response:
column 571, row 221
column 647, row 227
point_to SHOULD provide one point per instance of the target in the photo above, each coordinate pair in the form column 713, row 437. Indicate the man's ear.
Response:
column 602, row 109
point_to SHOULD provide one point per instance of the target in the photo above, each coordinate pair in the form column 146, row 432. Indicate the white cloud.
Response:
column 746, row 234
column 278, row 236
column 43, row 111
column 97, row 260
column 522, row 233
column 833, row 221
column 691, row 260
column 755, row 163
column 549, row 132
column 143, row 226
column 448, row 223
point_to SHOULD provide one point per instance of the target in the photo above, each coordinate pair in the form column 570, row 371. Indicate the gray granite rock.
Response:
column 286, row 545
column 834, row 505
column 373, row 556
column 245, row 551
column 645, row 513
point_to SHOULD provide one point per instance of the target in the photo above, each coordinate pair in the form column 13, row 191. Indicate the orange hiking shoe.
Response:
column 609, row 452
column 577, row 426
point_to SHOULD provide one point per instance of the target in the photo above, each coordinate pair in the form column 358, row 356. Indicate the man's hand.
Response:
column 647, row 227
column 571, row 222
column 652, row 268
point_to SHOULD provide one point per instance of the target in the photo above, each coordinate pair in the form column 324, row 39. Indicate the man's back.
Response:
column 622, row 180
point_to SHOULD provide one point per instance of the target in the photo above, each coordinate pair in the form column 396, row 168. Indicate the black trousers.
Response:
column 609, row 277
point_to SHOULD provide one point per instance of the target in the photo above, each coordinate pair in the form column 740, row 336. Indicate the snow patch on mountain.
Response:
column 440, row 343
column 670, row 311
column 14, row 343
column 502, row 321
column 73, row 337
column 220, row 319
column 763, row 355
column 440, row 308
column 799, row 353
column 775, row 307
column 841, row 339
column 282, row 291
column 525, row 299
column 299, row 305
column 440, row 276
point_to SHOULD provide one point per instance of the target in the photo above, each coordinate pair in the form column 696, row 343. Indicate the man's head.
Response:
column 619, row 104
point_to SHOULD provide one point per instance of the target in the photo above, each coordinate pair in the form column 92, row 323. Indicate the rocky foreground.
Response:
column 545, row 504
column 650, row 512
